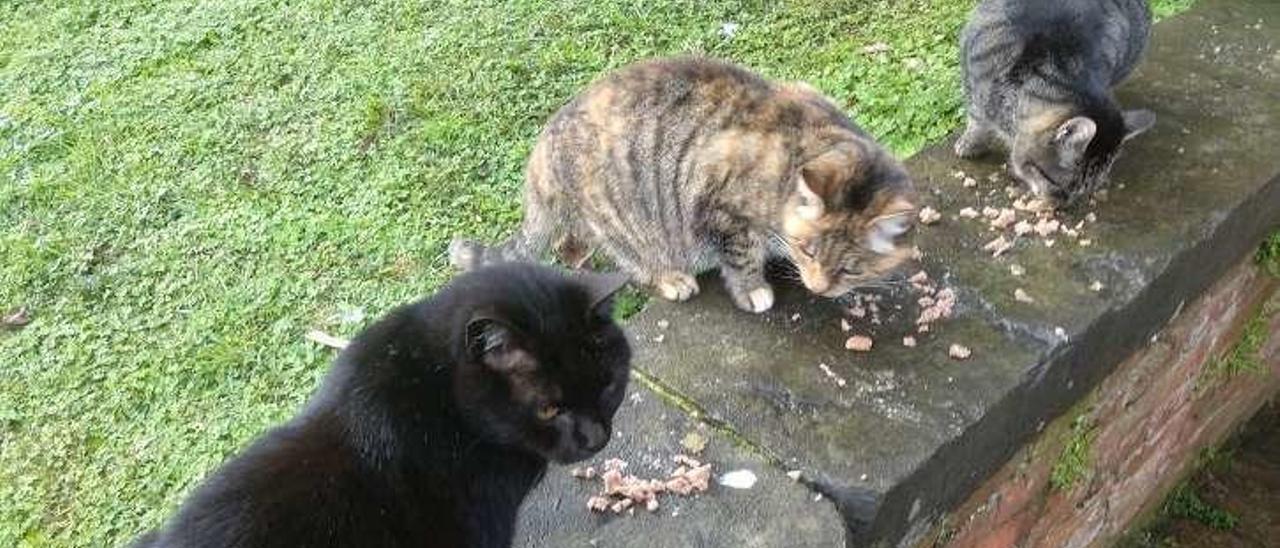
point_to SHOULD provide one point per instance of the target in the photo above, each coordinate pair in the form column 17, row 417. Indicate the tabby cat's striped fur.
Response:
column 1038, row 75
column 675, row 166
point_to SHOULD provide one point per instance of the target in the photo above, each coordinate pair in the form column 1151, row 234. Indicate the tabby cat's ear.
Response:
column 1074, row 136
column 895, row 221
column 601, row 286
column 1137, row 122
column 494, row 343
column 811, row 207
column 821, row 181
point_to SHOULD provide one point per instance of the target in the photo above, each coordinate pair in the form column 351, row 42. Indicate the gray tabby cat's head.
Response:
column 1064, row 156
column 842, row 225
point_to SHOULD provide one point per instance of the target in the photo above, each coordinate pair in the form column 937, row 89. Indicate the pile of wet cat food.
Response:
column 621, row 492
column 1015, row 216
column 936, row 303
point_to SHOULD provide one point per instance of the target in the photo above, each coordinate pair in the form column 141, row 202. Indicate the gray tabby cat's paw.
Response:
column 676, row 286
column 754, row 300
column 968, row 147
column 465, row 255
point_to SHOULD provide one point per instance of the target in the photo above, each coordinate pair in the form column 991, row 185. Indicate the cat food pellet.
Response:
column 1017, row 270
column 959, row 352
column 990, row 212
column 598, row 503
column 998, row 246
column 1091, row 217
column 1049, row 243
column 652, row 505
column 845, row 325
column 663, row 324
column 832, row 375
column 794, row 475
column 1096, row 286
column 1023, row 228
column 1047, row 227
column 970, row 182
column 969, row 213
column 929, row 216
column 661, row 337
column 859, row 343
column 909, row 341
column 1022, row 296
column 958, row 174
column 1085, row 242
column 1004, row 219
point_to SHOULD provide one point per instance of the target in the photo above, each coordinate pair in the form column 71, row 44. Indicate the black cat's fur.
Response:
column 432, row 425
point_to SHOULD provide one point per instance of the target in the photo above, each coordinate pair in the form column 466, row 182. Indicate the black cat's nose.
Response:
column 591, row 435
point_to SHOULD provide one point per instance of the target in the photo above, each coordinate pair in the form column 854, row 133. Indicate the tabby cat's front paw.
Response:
column 676, row 286
column 974, row 142
column 757, row 300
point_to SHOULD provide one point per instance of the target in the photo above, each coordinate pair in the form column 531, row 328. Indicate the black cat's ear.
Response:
column 1137, row 122
column 494, row 343
column 601, row 286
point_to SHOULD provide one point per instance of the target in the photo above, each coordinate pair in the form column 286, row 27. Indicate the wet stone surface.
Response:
column 776, row 511
column 910, row 431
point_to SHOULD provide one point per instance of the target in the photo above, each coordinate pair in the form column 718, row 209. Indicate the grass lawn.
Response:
column 187, row 187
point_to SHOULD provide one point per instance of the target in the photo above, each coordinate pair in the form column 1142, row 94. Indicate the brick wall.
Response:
column 1101, row 467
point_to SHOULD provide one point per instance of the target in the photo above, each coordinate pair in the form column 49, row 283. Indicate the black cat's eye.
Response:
column 548, row 411
column 809, row 249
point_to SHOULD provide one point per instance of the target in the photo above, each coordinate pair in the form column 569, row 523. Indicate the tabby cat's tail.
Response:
column 468, row 254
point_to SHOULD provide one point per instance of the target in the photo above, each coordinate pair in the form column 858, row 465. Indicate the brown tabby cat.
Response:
column 676, row 166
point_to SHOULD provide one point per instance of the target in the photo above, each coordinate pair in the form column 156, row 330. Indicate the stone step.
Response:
column 912, row 431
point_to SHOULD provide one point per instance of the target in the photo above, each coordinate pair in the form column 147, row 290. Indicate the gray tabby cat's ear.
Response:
column 601, row 285
column 493, row 343
column 1137, row 122
column 811, row 207
column 1074, row 136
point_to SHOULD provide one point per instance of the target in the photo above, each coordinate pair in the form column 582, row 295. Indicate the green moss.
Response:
column 1243, row 356
column 691, row 408
column 1185, row 503
column 1269, row 254
column 629, row 302
column 1073, row 464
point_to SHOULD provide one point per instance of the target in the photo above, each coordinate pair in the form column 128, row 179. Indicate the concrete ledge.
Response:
column 913, row 433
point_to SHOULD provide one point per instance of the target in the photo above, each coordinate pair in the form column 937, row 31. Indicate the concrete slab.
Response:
column 919, row 430
column 777, row 511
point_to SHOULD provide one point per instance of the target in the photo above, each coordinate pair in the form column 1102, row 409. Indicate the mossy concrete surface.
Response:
column 918, row 430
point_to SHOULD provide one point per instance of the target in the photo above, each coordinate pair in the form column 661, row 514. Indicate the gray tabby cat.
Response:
column 676, row 166
column 1038, row 75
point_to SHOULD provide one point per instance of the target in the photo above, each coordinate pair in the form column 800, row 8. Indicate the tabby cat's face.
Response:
column 550, row 372
column 841, row 252
column 843, row 226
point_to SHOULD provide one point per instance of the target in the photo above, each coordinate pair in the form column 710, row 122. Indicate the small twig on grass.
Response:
column 16, row 318
column 325, row 339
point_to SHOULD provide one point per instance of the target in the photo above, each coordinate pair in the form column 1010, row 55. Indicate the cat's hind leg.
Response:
column 975, row 141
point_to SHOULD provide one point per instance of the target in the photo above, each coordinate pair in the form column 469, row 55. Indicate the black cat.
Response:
column 432, row 425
